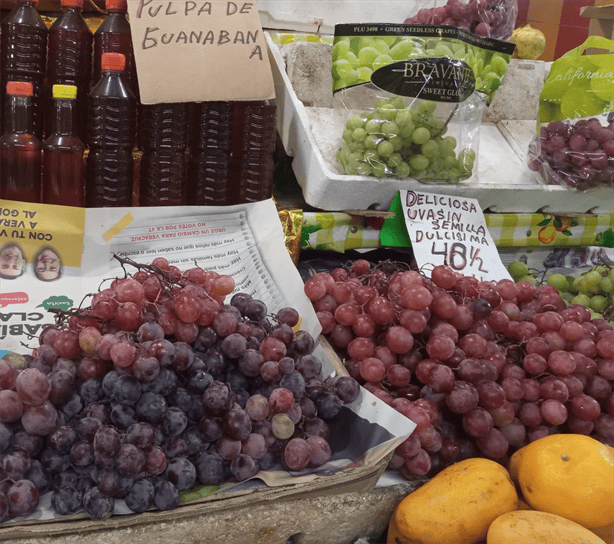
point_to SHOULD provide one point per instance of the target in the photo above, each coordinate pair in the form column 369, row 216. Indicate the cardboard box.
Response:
column 601, row 20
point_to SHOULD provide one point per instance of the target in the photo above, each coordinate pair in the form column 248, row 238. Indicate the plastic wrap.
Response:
column 492, row 18
column 409, row 98
column 574, row 146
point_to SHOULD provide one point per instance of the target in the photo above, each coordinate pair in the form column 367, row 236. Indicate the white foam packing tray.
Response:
column 503, row 183
column 322, row 15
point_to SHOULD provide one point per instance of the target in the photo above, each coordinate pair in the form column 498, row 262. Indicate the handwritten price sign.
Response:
column 195, row 51
column 452, row 231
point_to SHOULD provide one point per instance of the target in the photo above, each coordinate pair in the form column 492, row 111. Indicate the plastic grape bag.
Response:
column 574, row 146
column 409, row 98
column 492, row 18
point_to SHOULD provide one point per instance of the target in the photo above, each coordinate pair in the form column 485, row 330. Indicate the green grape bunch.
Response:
column 395, row 139
column 593, row 289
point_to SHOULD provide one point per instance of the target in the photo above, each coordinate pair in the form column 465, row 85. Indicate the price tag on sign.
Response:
column 451, row 230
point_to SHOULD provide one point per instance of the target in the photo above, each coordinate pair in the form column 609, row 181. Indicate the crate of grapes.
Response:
column 165, row 402
column 245, row 512
column 212, row 502
column 503, row 182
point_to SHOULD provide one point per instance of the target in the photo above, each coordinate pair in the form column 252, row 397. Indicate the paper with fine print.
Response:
column 244, row 241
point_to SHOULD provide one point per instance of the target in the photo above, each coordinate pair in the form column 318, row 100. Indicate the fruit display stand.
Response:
column 347, row 505
column 248, row 510
column 503, row 183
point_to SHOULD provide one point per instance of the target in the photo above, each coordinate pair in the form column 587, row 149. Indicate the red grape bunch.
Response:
column 578, row 155
column 481, row 368
column 494, row 18
column 157, row 386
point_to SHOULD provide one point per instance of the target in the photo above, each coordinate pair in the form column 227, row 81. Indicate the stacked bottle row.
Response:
column 61, row 55
column 222, row 156
column 21, row 160
column 231, row 152
column 229, row 162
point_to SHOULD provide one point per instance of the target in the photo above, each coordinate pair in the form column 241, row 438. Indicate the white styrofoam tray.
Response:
column 503, row 183
column 322, row 15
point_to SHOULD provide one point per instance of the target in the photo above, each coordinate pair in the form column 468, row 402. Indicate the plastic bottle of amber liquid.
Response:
column 20, row 149
column 211, row 132
column 111, row 130
column 63, row 172
column 113, row 36
column 163, row 138
column 253, row 144
column 70, row 59
column 23, row 40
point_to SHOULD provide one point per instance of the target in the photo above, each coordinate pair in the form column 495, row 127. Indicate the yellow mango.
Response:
column 533, row 527
column 457, row 505
column 569, row 475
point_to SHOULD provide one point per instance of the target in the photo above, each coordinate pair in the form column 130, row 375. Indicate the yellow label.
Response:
column 36, row 227
column 64, row 91
column 118, row 227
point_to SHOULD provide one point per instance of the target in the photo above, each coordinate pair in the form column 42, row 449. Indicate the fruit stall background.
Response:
column 559, row 20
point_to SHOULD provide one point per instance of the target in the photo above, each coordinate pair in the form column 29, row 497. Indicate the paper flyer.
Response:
column 53, row 256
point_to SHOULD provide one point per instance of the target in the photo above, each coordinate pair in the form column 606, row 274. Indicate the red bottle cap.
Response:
column 113, row 61
column 72, row 3
column 119, row 5
column 20, row 88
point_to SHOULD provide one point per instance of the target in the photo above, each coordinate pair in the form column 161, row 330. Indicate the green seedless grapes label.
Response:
column 439, row 79
column 360, row 52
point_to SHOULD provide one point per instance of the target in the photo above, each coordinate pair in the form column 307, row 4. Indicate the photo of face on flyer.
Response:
column 12, row 261
column 47, row 264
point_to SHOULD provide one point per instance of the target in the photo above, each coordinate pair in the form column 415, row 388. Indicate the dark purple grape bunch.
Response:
column 146, row 402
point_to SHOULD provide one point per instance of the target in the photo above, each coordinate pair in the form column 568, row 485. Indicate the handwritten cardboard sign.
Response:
column 196, row 51
column 451, row 230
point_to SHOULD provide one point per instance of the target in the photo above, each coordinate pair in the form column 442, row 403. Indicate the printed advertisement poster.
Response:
column 55, row 257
